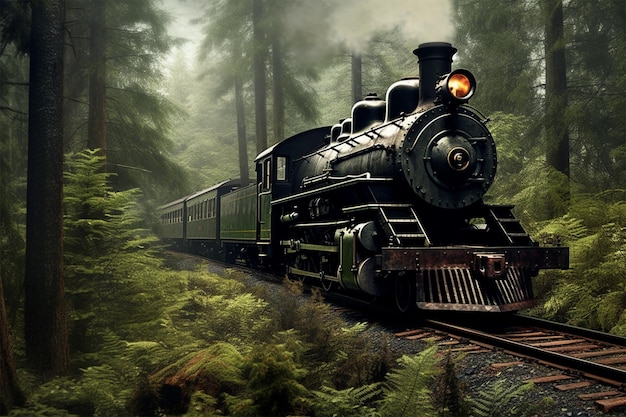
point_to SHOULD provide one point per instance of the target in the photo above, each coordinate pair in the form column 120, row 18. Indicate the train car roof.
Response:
column 303, row 142
column 172, row 203
column 227, row 183
column 224, row 184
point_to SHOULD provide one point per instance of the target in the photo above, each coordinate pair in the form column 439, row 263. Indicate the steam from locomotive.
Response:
column 385, row 204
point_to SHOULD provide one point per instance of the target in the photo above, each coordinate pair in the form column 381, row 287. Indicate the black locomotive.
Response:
column 388, row 203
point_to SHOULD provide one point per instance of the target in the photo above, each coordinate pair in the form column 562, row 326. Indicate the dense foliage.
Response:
column 150, row 337
column 142, row 332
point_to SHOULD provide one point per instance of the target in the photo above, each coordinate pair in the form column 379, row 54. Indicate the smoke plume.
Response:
column 351, row 24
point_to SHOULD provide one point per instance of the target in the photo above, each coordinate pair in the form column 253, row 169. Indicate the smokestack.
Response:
column 435, row 60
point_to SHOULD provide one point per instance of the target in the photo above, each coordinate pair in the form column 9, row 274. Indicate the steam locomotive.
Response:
column 387, row 204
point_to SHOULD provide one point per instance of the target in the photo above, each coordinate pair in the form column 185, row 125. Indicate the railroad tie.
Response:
column 609, row 404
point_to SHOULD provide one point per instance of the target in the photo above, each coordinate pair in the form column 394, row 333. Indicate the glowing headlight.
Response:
column 456, row 87
column 460, row 86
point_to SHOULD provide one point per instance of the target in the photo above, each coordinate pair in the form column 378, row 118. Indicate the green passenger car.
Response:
column 172, row 217
column 238, row 215
column 202, row 215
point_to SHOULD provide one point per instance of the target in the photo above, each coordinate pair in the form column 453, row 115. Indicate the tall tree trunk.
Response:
column 76, row 83
column 279, row 96
column 11, row 394
column 45, row 320
column 557, row 153
column 241, row 133
column 357, row 77
column 259, row 57
column 96, row 126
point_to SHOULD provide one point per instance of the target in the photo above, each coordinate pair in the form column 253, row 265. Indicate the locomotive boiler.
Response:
column 388, row 203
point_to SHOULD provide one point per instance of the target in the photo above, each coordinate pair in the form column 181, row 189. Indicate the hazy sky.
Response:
column 353, row 23
column 182, row 12
column 349, row 23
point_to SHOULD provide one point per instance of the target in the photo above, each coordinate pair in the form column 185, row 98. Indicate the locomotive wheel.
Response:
column 404, row 291
column 296, row 262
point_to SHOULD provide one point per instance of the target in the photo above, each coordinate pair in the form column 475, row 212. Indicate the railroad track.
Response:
column 572, row 351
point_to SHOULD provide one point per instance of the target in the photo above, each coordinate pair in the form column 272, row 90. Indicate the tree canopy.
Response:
column 137, row 124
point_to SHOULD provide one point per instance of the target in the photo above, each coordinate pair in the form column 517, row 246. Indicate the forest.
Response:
column 108, row 109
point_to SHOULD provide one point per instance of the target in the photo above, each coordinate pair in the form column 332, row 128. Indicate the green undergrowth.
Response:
column 194, row 343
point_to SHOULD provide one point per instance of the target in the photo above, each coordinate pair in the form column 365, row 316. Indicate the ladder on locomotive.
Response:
column 505, row 222
column 402, row 225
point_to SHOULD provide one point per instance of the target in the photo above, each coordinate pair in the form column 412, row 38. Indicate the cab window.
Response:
column 267, row 174
column 281, row 168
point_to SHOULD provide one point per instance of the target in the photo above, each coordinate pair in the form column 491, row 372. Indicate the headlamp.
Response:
column 456, row 87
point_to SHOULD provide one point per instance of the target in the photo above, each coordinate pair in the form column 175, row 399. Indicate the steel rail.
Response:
column 521, row 320
column 586, row 368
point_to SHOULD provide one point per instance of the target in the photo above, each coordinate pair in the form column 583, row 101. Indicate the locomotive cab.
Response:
column 275, row 179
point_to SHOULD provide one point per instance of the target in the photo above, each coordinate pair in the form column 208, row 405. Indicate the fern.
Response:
column 564, row 229
column 500, row 399
column 408, row 388
column 350, row 402
column 620, row 325
column 100, row 391
column 610, row 309
column 598, row 209
column 589, row 294
column 102, row 385
column 562, row 300
column 238, row 320
column 538, row 192
column 209, row 369
column 273, row 380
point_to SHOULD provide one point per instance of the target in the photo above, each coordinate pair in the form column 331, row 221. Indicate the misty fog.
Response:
column 333, row 23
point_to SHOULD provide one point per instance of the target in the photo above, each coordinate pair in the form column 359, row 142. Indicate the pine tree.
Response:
column 113, row 87
column 45, row 316
column 556, row 126
column 596, row 72
column 14, row 39
column 11, row 394
column 259, row 57
column 104, row 242
column 96, row 123
column 509, row 32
